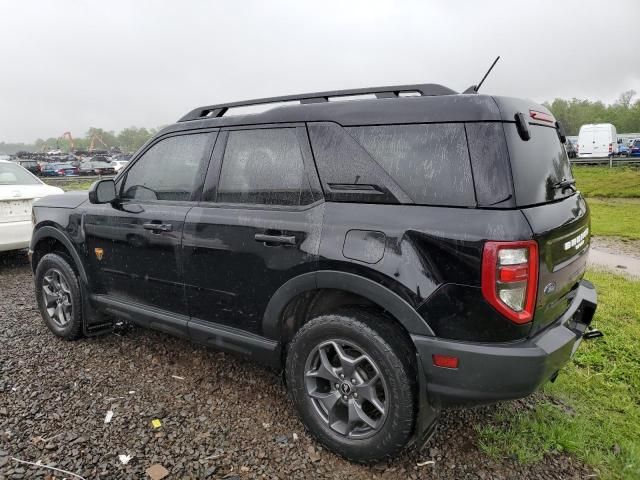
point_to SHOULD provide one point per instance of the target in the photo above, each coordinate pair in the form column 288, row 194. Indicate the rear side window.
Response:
column 430, row 162
column 167, row 171
column 490, row 164
column 538, row 165
column 265, row 167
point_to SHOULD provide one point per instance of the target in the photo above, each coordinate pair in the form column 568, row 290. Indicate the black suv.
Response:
column 394, row 254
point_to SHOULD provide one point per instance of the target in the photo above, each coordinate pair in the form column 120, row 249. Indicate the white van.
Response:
column 597, row 140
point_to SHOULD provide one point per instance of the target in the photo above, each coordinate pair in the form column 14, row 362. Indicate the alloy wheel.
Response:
column 57, row 297
column 347, row 388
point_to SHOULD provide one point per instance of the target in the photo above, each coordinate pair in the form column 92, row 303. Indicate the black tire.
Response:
column 392, row 356
column 50, row 267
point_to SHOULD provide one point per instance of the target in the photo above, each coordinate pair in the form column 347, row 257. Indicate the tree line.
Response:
column 128, row 140
column 624, row 113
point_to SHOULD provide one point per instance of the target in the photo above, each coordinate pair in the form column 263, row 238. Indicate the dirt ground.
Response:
column 221, row 416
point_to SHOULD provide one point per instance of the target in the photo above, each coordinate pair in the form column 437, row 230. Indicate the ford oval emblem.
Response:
column 550, row 288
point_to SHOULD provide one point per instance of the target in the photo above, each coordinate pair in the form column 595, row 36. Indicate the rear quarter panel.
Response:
column 432, row 258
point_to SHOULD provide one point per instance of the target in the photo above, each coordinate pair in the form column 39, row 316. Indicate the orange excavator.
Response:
column 97, row 137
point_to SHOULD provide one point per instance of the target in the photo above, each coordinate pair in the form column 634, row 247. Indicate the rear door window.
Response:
column 430, row 162
column 265, row 167
column 538, row 165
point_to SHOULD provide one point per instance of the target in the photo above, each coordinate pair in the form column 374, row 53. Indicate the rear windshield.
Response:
column 12, row 174
column 538, row 165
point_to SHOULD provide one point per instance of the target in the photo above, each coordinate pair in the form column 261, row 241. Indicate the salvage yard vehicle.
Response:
column 59, row 170
column 96, row 168
column 394, row 255
column 18, row 189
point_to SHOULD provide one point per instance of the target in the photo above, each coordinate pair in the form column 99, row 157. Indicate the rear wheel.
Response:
column 58, row 296
column 352, row 379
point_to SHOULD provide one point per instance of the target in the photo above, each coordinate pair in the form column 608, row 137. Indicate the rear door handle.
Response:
column 275, row 239
column 158, row 227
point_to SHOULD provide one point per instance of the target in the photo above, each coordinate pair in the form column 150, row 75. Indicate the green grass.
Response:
column 615, row 217
column 618, row 182
column 593, row 409
column 75, row 185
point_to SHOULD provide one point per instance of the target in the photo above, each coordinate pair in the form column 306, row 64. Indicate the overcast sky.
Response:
column 73, row 64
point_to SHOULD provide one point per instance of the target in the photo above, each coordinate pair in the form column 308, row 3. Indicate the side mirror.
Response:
column 102, row 191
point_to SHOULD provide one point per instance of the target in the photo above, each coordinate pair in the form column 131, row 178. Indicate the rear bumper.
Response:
column 488, row 373
column 15, row 235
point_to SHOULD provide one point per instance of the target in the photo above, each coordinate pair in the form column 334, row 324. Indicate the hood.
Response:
column 27, row 192
column 66, row 200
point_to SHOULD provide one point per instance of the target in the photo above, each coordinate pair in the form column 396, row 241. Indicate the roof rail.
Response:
column 425, row 90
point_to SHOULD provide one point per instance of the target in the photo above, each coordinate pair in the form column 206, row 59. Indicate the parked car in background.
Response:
column 101, row 158
column 572, row 152
column 96, row 168
column 634, row 151
column 59, row 170
column 18, row 189
column 597, row 141
column 31, row 165
column 623, row 150
column 119, row 164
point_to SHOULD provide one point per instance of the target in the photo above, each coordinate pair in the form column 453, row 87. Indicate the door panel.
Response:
column 134, row 245
column 231, row 270
column 135, row 263
column 237, row 254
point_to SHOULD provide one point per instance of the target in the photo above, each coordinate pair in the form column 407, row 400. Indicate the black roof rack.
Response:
column 425, row 90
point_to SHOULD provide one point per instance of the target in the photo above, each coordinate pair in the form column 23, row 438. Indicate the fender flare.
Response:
column 51, row 232
column 348, row 282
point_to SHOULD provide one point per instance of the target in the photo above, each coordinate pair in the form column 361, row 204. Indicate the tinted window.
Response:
column 347, row 171
column 167, row 171
column 12, row 174
column 263, row 166
column 537, row 165
column 429, row 162
column 490, row 164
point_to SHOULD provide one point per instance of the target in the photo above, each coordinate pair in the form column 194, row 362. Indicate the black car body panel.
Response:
column 240, row 267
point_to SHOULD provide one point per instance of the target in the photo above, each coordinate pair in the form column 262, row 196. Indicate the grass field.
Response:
column 619, row 182
column 615, row 217
column 593, row 409
column 77, row 185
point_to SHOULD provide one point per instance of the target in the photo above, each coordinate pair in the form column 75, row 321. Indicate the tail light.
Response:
column 610, row 148
column 510, row 278
column 61, row 172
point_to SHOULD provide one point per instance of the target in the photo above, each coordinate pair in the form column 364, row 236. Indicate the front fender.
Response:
column 49, row 231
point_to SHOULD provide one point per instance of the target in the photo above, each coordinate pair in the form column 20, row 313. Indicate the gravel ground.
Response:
column 221, row 416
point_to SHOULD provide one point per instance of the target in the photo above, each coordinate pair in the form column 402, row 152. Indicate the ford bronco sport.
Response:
column 393, row 254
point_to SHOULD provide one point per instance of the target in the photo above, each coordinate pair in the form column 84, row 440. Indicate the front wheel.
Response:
column 58, row 296
column 352, row 378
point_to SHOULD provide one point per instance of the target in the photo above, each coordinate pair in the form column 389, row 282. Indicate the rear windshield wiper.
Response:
column 564, row 184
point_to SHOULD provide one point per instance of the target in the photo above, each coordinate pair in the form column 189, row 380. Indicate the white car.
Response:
column 119, row 164
column 18, row 190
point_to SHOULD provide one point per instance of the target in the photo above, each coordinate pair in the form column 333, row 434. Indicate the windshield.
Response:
column 12, row 174
column 539, row 165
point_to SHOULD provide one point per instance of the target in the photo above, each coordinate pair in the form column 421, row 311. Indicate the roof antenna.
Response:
column 475, row 88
